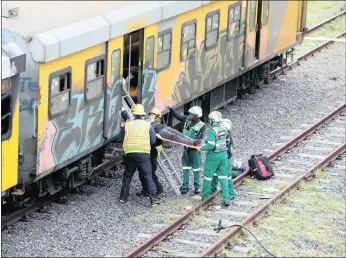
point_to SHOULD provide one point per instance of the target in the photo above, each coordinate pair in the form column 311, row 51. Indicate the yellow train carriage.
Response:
column 168, row 53
column 13, row 63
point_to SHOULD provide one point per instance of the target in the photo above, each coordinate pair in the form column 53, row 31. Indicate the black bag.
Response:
column 260, row 167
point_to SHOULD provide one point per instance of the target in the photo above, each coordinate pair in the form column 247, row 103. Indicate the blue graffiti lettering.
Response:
column 29, row 86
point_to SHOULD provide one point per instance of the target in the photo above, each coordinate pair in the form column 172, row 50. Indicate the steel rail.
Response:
column 319, row 25
column 170, row 229
column 258, row 213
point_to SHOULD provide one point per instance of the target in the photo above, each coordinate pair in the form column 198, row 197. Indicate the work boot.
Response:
column 225, row 204
column 197, row 142
column 184, row 190
column 143, row 194
column 122, row 200
column 155, row 201
column 197, row 191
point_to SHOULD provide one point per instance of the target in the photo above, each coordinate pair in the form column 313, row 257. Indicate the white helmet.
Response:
column 227, row 124
column 196, row 111
column 215, row 116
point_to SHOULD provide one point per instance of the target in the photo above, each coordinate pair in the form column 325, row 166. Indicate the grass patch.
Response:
column 316, row 224
column 320, row 173
column 250, row 183
column 281, row 187
column 179, row 204
column 318, row 11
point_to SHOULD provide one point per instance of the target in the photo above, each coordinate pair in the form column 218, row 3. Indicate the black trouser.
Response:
column 153, row 156
column 140, row 161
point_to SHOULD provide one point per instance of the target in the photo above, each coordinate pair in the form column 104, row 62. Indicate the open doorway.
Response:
column 132, row 63
column 258, row 29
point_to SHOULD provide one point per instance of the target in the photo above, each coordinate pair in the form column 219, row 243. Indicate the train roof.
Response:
column 39, row 16
column 54, row 29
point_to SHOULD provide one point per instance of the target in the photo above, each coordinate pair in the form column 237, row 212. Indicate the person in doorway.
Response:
column 216, row 161
column 131, row 83
column 227, row 124
column 191, row 159
column 138, row 136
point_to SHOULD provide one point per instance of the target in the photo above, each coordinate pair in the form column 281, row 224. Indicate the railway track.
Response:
column 293, row 162
column 112, row 160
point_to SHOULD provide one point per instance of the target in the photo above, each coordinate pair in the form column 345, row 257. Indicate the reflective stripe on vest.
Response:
column 221, row 135
column 159, row 149
column 194, row 130
column 137, row 137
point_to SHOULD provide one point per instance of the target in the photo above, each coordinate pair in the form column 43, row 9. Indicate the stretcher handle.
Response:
column 179, row 143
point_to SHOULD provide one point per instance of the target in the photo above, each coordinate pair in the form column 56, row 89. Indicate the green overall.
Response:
column 191, row 158
column 216, row 161
column 214, row 182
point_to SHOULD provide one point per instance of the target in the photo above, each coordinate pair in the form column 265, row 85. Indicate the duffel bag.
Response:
column 260, row 167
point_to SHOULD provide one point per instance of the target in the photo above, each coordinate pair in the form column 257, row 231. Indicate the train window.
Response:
column 116, row 58
column 252, row 15
column 265, row 12
column 6, row 116
column 188, row 39
column 164, row 49
column 95, row 73
column 149, row 55
column 234, row 16
column 60, row 92
column 212, row 29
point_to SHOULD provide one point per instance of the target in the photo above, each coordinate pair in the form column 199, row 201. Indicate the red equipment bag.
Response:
column 260, row 167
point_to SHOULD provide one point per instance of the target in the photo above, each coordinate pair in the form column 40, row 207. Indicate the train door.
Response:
column 262, row 30
column 132, row 63
column 149, row 71
column 251, row 34
column 114, row 87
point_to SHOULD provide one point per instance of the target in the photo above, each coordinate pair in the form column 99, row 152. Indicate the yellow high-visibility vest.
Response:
column 137, row 137
column 159, row 149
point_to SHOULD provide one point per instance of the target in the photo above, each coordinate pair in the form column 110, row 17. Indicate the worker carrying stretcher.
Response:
column 165, row 132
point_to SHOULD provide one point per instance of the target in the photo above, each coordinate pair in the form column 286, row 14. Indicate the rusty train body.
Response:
column 66, row 105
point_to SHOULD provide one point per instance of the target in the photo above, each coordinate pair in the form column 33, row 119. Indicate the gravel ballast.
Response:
column 94, row 223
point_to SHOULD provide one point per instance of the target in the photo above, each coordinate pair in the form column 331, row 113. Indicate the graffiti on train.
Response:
column 79, row 130
column 209, row 67
column 28, row 89
column 148, row 88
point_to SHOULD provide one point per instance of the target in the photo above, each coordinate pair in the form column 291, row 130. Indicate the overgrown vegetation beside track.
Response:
column 309, row 223
column 319, row 11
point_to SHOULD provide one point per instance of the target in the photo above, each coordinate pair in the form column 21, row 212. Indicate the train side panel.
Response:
column 285, row 25
column 184, row 77
column 10, row 136
column 70, row 123
column 13, row 63
column 150, row 61
column 113, row 91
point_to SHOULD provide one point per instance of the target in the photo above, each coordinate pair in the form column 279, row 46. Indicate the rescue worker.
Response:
column 168, row 133
column 138, row 136
column 216, row 160
column 227, row 124
column 191, row 159
column 155, row 117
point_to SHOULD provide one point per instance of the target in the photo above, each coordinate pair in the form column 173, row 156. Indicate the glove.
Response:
column 158, row 136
